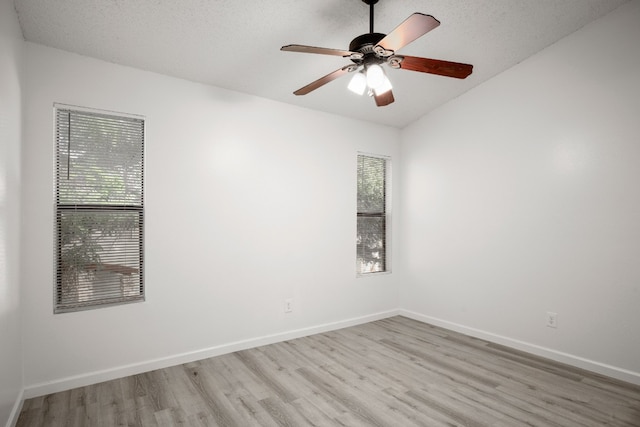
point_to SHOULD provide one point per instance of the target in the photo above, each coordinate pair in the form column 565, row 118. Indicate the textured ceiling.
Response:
column 235, row 44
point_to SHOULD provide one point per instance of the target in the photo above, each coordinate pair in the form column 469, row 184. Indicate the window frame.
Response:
column 137, row 211
column 385, row 215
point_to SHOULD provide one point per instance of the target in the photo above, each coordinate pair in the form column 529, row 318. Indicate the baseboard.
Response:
column 558, row 356
column 15, row 412
column 165, row 362
column 150, row 365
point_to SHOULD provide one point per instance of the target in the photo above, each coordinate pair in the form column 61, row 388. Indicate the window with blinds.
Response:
column 99, row 209
column 371, row 239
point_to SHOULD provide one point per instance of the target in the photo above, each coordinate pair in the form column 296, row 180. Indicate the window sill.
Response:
column 373, row 274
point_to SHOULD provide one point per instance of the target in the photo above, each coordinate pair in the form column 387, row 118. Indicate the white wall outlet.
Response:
column 288, row 305
column 552, row 319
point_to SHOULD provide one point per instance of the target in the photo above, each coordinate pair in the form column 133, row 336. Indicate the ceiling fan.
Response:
column 369, row 51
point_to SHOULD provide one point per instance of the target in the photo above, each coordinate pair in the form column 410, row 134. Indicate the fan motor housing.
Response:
column 365, row 42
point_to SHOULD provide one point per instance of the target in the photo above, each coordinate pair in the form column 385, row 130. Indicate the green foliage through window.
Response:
column 99, row 209
column 372, row 216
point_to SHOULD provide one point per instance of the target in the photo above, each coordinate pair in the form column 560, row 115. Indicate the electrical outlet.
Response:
column 552, row 319
column 288, row 305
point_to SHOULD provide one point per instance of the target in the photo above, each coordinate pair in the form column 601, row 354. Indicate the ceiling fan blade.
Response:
column 413, row 27
column 323, row 80
column 436, row 66
column 384, row 98
column 314, row 49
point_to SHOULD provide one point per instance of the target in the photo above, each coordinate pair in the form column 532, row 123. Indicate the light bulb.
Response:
column 375, row 76
column 384, row 87
column 358, row 83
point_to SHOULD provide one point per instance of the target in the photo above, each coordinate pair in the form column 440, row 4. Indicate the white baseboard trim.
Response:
column 165, row 362
column 558, row 356
column 15, row 412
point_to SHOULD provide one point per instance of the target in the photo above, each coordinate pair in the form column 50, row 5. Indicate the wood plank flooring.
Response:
column 392, row 372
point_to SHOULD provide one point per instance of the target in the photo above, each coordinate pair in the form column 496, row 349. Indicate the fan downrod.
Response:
column 370, row 3
column 364, row 43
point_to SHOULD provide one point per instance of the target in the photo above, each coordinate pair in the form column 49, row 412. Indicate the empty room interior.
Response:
column 477, row 221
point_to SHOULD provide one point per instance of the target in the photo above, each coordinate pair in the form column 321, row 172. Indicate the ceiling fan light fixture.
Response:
column 358, row 83
column 384, row 87
column 375, row 76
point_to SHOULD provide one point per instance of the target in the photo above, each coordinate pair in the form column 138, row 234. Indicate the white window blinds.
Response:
column 99, row 209
column 371, row 240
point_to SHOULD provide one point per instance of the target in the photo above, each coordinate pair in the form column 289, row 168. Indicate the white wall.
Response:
column 517, row 198
column 248, row 202
column 521, row 197
column 11, row 44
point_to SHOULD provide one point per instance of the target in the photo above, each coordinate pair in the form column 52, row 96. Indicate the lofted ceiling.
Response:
column 235, row 44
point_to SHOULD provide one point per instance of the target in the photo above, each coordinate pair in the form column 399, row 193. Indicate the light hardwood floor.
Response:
column 392, row 372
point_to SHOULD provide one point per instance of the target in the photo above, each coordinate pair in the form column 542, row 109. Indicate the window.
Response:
column 99, row 209
column 372, row 214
